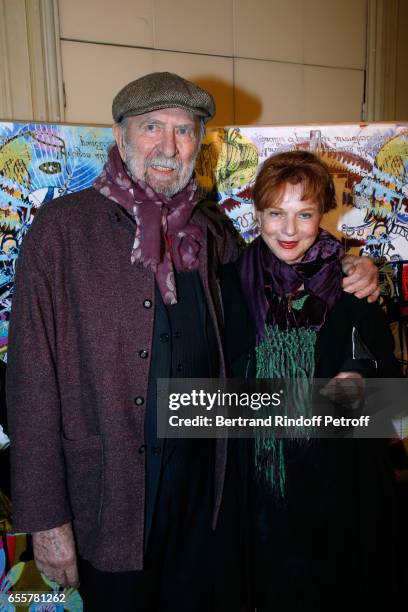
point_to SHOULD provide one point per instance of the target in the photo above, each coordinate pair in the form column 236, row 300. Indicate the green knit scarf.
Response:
column 285, row 355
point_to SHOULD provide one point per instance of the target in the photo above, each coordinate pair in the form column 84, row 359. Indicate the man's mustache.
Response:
column 163, row 161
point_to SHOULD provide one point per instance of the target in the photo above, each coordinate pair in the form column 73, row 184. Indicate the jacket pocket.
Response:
column 84, row 469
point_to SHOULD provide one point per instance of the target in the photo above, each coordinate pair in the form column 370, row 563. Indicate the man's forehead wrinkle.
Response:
column 184, row 123
column 165, row 116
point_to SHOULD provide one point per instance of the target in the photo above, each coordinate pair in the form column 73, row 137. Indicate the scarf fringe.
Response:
column 283, row 354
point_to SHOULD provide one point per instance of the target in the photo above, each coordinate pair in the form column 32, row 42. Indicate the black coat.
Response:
column 332, row 539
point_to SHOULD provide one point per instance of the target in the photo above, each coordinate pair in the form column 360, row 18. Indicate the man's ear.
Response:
column 119, row 136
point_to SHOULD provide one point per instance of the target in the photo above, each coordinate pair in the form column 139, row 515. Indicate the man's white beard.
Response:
column 138, row 169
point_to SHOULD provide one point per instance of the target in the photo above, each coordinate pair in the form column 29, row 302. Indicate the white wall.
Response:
column 265, row 61
column 401, row 93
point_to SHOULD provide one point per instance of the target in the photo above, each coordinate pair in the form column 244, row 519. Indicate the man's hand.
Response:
column 362, row 277
column 54, row 554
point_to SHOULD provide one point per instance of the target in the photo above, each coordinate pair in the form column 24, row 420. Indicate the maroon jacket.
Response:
column 81, row 324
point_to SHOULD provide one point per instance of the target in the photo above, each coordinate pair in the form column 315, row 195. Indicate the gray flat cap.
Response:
column 162, row 90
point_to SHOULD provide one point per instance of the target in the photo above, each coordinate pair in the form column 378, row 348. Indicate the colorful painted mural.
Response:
column 39, row 163
column 369, row 164
column 23, row 589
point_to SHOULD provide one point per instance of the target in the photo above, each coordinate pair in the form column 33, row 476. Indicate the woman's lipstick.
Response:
column 287, row 245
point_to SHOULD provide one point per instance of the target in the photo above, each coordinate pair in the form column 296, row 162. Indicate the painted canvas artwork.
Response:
column 39, row 163
column 369, row 163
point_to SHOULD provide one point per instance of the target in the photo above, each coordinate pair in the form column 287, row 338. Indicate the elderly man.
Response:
column 117, row 286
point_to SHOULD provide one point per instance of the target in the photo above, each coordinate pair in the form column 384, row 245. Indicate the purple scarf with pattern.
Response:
column 165, row 234
column 270, row 284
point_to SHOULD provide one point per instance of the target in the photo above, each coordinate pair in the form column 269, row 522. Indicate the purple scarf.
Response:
column 270, row 284
column 165, row 234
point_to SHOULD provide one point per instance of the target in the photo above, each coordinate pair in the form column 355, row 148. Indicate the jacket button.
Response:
column 142, row 449
column 147, row 303
column 139, row 400
column 177, row 335
column 143, row 354
column 179, row 367
column 164, row 337
column 156, row 450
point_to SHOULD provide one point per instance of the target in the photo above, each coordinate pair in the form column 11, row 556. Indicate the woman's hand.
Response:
column 345, row 389
column 362, row 277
